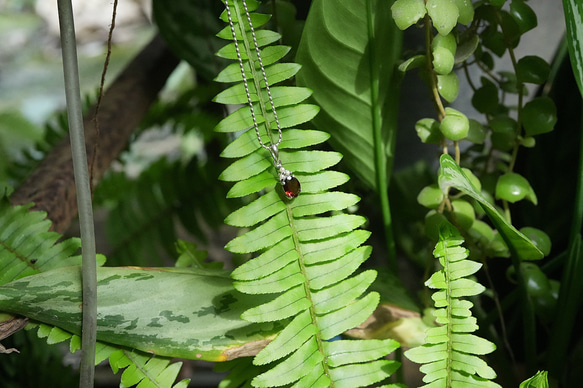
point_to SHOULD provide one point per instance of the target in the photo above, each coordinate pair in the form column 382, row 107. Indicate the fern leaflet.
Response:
column 28, row 248
column 299, row 245
column 450, row 353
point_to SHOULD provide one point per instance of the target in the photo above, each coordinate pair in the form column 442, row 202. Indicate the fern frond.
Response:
column 29, row 251
column 26, row 245
column 451, row 354
column 308, row 248
column 141, row 225
column 141, row 368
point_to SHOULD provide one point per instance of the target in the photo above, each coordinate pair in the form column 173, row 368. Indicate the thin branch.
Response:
column 81, row 173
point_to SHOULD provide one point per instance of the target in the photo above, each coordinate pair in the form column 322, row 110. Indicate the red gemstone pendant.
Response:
column 292, row 187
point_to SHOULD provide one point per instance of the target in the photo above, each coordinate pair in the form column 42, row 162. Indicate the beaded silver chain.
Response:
column 289, row 182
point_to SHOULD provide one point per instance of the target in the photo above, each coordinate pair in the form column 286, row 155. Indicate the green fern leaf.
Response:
column 307, row 248
column 141, row 224
column 26, row 245
column 450, row 353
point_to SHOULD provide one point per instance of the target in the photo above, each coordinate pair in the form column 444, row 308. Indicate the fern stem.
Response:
column 89, row 270
column 307, row 290
column 253, row 65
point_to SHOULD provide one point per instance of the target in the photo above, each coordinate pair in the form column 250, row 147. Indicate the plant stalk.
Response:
column 76, row 132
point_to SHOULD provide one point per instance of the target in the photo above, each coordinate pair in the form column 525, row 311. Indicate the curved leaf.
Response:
column 451, row 175
column 348, row 51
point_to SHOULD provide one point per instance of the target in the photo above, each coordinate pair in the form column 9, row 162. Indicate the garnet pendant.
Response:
column 292, row 187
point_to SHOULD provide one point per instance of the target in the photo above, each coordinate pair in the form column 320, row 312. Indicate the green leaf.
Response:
column 451, row 175
column 539, row 116
column 444, row 15
column 297, row 365
column 275, row 73
column 513, row 187
column 450, row 351
column 323, row 227
column 305, row 256
column 136, row 303
column 298, row 331
column 349, row 68
column 524, row 16
column 407, row 12
column 532, row 69
column 539, row 380
column 344, row 352
column 362, row 375
column 574, row 21
column 286, row 305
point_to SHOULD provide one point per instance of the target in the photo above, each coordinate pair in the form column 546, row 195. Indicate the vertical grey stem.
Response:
column 89, row 270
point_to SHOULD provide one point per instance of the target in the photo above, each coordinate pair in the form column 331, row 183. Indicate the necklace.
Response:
column 291, row 185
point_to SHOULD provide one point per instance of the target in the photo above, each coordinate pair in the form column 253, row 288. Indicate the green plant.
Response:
column 303, row 282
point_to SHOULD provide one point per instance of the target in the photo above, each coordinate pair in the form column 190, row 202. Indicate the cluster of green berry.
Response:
column 460, row 34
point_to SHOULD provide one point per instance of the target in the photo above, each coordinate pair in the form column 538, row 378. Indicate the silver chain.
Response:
column 272, row 148
column 288, row 180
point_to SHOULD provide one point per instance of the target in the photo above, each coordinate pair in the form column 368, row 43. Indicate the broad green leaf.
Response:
column 574, row 21
column 348, row 51
column 451, row 175
column 150, row 309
